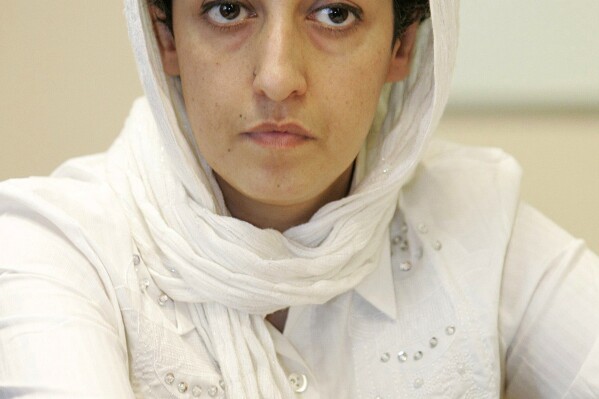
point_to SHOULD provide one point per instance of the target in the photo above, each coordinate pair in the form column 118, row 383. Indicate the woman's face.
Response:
column 281, row 93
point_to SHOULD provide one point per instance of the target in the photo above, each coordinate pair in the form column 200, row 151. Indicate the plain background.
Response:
column 67, row 80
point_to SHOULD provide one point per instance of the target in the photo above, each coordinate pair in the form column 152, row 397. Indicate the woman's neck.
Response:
column 281, row 217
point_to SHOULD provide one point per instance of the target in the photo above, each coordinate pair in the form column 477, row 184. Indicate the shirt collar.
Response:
column 378, row 288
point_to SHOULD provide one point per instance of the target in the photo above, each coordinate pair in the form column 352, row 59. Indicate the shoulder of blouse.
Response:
column 548, row 323
column 62, row 218
column 59, row 236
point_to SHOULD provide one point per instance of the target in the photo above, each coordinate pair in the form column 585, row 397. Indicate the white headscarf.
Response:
column 230, row 273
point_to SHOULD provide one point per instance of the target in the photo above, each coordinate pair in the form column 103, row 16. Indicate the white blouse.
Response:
column 449, row 313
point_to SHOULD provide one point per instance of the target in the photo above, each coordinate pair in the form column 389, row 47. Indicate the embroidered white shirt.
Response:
column 441, row 317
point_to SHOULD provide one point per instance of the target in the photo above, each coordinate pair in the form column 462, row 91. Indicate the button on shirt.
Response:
column 448, row 313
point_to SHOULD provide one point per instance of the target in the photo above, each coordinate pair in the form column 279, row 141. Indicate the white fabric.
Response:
column 231, row 273
column 74, row 321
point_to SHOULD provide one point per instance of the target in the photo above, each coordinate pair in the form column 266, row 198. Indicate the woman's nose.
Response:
column 280, row 67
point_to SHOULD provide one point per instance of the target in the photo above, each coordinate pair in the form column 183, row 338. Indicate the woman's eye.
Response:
column 227, row 13
column 335, row 16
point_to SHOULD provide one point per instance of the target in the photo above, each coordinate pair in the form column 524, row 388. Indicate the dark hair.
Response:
column 406, row 12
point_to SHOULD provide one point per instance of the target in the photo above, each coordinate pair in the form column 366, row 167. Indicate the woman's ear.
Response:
column 166, row 42
column 402, row 54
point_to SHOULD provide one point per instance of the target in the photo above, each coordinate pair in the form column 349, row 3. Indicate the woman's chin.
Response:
column 272, row 191
column 279, row 195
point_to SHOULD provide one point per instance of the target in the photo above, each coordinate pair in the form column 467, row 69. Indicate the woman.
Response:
column 273, row 222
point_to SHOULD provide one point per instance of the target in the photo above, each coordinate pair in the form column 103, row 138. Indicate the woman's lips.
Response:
column 277, row 139
column 279, row 136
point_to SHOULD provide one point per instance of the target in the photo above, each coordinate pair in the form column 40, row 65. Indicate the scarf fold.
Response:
column 230, row 273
